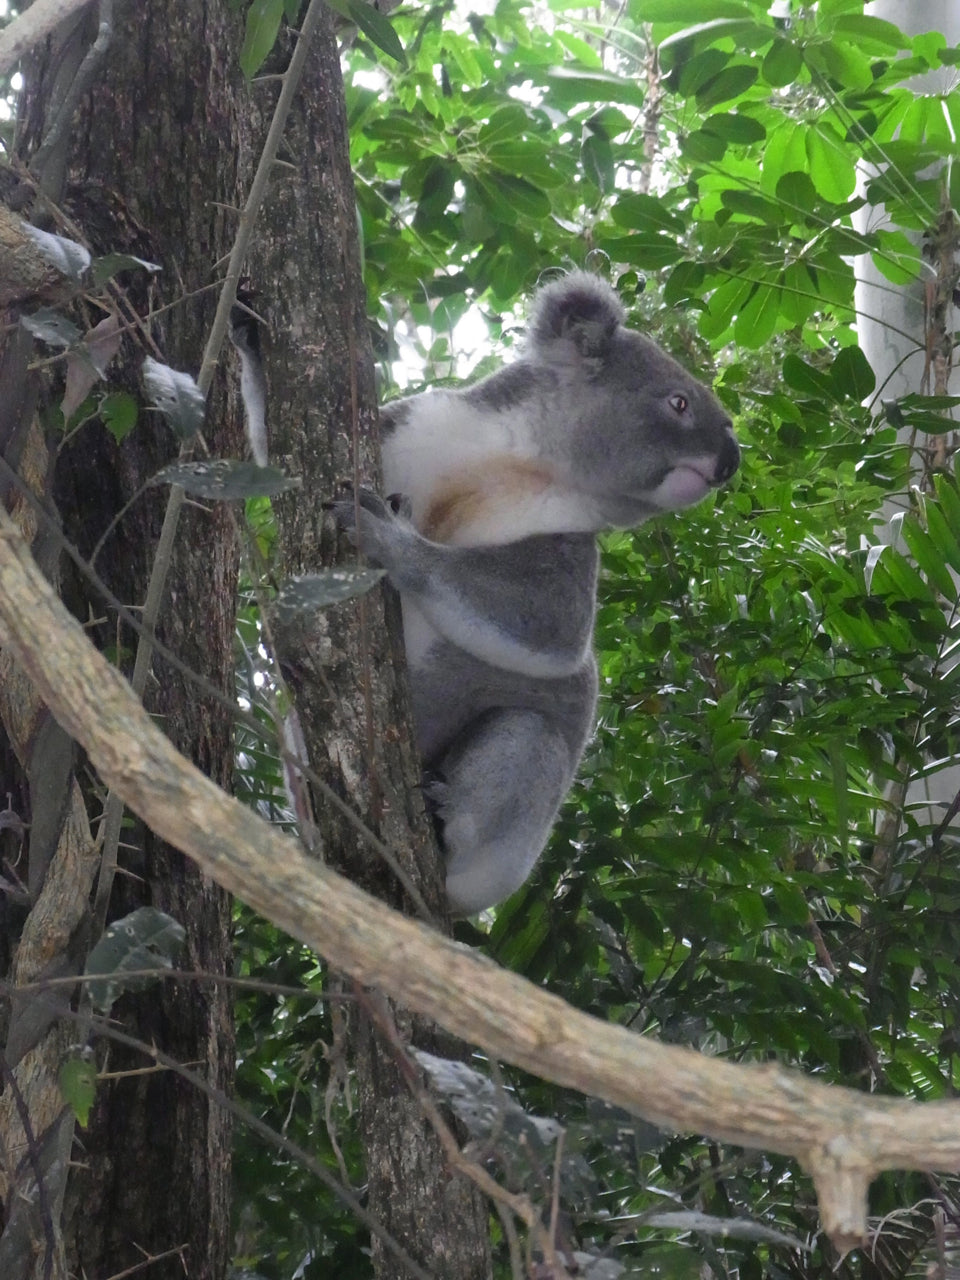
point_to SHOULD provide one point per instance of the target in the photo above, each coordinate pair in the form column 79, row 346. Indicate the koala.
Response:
column 500, row 489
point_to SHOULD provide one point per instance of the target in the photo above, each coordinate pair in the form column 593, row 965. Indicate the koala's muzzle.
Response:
column 728, row 459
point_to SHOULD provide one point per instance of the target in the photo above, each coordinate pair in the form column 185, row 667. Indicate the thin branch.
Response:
column 841, row 1137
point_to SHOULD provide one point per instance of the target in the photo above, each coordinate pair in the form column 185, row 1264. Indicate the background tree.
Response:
column 150, row 1172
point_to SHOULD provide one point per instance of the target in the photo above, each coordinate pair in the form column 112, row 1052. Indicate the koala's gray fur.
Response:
column 492, row 549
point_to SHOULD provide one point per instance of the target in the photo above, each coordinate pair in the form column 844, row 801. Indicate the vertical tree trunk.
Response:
column 149, row 167
column 906, row 334
column 349, row 696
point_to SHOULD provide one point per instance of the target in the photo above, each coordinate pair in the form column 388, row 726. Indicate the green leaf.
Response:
column 260, row 34
column 871, row 33
column 223, row 478
column 757, row 319
column 640, row 212
column 78, row 1084
column 730, row 83
column 929, row 557
column 687, row 11
column 596, row 160
column 119, row 414
column 648, row 251
column 852, row 374
column 808, row 380
column 782, row 63
column 733, row 128
column 145, row 939
column 832, row 167
column 378, row 27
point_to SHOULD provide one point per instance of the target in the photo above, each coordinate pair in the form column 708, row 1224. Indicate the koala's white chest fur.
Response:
column 474, row 477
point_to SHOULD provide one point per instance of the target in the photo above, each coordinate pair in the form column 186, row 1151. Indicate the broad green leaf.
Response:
column 521, row 195
column 752, row 205
column 785, row 152
column 852, row 374
column 808, row 380
column 260, row 34
column 733, row 128
column 643, row 250
column 832, row 167
column 757, row 319
column 702, row 147
column 730, row 83
column 724, row 305
column 505, row 125
column 641, row 212
column 870, row 32
column 782, row 63
column 684, row 281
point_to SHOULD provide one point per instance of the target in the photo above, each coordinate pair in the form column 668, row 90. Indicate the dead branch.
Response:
column 841, row 1137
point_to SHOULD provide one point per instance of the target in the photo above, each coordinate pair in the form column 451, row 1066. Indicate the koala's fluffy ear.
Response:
column 574, row 319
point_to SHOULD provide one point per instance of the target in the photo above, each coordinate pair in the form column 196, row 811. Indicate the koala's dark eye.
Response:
column 680, row 403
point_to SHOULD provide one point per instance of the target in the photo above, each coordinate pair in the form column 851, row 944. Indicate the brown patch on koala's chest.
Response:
column 484, row 502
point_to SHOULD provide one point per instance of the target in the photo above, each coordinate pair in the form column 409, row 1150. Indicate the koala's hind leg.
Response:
column 497, row 797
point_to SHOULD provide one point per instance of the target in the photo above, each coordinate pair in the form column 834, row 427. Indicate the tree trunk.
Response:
column 349, row 694
column 906, row 334
column 148, row 167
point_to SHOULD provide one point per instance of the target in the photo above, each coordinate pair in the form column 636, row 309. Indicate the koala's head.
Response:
column 640, row 433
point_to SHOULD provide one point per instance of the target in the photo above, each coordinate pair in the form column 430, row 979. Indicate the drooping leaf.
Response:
column 260, row 34
column 51, row 327
column 378, row 27
column 69, row 258
column 176, row 395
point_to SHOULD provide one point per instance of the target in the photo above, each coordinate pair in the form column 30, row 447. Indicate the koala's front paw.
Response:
column 379, row 527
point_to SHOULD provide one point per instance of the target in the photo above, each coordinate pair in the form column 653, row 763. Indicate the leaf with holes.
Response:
column 176, row 395
column 222, row 478
column 145, row 939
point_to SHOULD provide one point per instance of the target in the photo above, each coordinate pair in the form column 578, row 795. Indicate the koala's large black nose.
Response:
column 729, row 458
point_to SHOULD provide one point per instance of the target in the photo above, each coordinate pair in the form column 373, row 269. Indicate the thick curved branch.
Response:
column 32, row 26
column 841, row 1137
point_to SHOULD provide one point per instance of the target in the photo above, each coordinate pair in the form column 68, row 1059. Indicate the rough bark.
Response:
column 349, row 693
column 149, row 167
